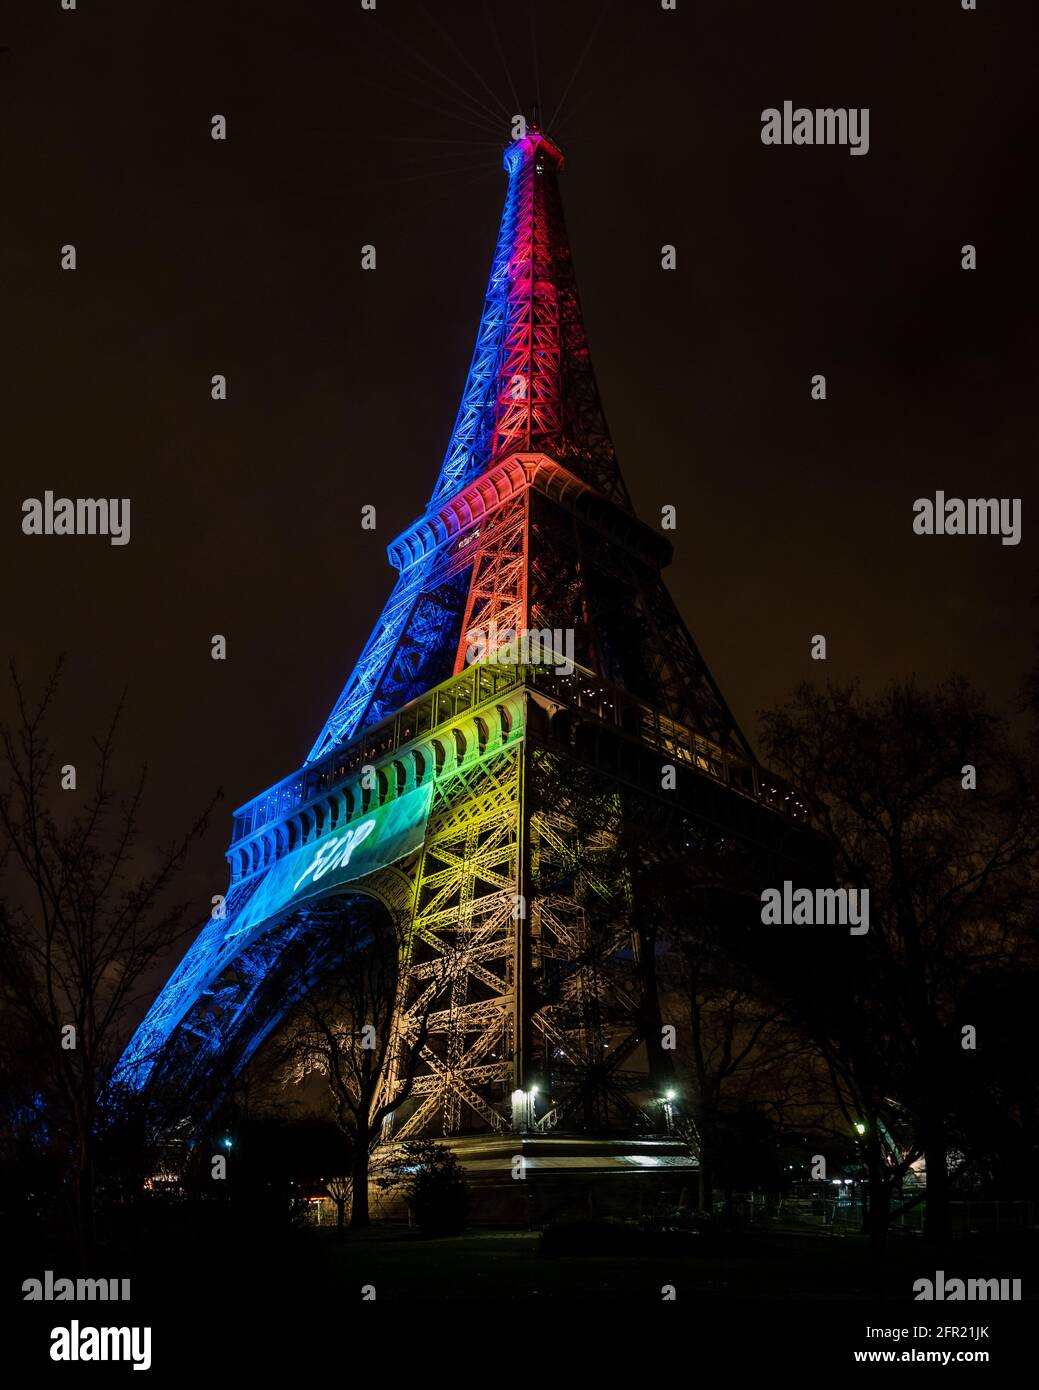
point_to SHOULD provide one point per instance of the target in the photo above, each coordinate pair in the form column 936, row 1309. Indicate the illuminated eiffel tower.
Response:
column 509, row 810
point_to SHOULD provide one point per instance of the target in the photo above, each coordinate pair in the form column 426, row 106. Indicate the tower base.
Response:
column 568, row 1176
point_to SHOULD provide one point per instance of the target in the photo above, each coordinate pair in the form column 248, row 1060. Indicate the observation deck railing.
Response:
column 482, row 684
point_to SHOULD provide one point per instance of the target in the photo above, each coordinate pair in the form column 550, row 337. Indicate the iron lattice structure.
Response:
column 522, row 894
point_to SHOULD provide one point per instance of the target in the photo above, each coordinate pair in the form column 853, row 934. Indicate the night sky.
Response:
column 243, row 258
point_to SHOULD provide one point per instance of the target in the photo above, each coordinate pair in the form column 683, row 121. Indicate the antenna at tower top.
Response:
column 535, row 123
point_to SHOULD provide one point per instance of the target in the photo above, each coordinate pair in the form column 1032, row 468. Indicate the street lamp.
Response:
column 669, row 1111
column 523, row 1110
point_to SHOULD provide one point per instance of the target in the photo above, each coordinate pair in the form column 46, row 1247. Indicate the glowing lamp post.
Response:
column 523, row 1110
column 669, row 1111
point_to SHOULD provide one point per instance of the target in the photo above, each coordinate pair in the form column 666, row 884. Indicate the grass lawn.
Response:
column 505, row 1265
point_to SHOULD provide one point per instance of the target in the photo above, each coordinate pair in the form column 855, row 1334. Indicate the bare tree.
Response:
column 739, row 1048
column 356, row 1032
column 339, row 1188
column 84, row 917
column 931, row 809
column 741, row 1043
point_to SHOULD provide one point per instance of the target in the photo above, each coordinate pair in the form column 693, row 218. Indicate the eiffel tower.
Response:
column 511, row 812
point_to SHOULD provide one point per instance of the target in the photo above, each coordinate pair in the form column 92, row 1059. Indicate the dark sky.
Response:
column 243, row 258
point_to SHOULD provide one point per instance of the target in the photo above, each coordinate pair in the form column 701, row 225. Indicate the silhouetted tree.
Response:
column 434, row 1185
column 997, row 1112
column 83, row 918
column 951, row 876
column 357, row 1033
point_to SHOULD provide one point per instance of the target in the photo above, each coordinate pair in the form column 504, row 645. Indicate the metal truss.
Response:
column 626, row 624
column 464, row 936
column 410, row 650
column 583, row 956
column 498, row 586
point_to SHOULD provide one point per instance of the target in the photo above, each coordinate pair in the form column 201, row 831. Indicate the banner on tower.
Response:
column 369, row 842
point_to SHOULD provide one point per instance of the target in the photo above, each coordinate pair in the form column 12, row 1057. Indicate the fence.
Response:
column 844, row 1216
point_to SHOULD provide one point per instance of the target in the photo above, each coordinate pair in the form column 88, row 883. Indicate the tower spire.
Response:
column 530, row 385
